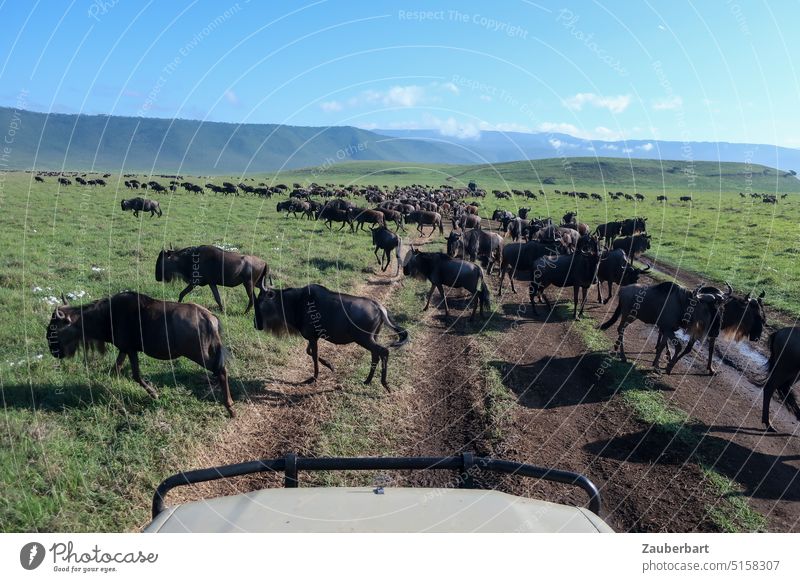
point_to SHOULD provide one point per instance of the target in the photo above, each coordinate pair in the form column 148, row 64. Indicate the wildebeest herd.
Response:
column 536, row 250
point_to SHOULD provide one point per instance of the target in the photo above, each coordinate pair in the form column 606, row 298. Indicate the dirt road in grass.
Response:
column 527, row 389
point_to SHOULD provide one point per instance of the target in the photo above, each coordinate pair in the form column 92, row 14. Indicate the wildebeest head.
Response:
column 416, row 263
column 65, row 332
column 742, row 316
column 271, row 311
column 452, row 242
column 124, row 205
column 166, row 265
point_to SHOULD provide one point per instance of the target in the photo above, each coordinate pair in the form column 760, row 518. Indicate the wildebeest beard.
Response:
column 61, row 348
column 274, row 318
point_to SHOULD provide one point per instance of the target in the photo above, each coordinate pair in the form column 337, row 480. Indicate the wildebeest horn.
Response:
column 730, row 290
column 60, row 314
column 762, row 295
column 64, row 300
column 648, row 266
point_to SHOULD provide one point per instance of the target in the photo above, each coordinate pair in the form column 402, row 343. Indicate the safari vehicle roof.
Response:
column 458, row 508
column 365, row 509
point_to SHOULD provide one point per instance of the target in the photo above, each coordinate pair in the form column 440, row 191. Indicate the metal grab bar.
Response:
column 291, row 465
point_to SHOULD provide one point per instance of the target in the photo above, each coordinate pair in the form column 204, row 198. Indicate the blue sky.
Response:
column 714, row 71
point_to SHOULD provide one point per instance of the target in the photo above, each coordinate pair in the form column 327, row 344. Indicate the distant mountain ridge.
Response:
column 498, row 147
column 132, row 144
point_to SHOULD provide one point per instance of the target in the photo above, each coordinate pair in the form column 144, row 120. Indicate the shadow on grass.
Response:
column 328, row 264
column 761, row 475
column 553, row 382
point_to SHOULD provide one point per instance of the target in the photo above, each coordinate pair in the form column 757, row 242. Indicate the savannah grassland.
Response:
column 82, row 450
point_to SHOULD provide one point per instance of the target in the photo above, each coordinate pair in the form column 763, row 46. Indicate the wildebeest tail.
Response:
column 613, row 319
column 784, row 389
column 158, row 209
column 402, row 334
column 217, row 352
column 441, row 228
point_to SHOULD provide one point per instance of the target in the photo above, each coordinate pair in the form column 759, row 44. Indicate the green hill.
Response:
column 130, row 144
column 590, row 174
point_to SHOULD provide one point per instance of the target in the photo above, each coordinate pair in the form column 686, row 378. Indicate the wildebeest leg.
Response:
column 687, row 349
column 185, row 292
column 575, row 302
column 136, row 213
column 310, row 350
column 248, row 287
column 584, row 292
column 610, row 292
column 215, row 292
column 137, row 375
column 599, row 294
column 120, row 360
column 444, row 299
column 373, row 364
column 222, row 380
column 430, row 294
column 678, row 353
column 621, row 339
column 380, row 261
column 476, row 299
column 711, row 343
column 661, row 343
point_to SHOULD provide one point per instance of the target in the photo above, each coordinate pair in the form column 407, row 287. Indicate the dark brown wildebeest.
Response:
column 783, row 369
column 608, row 231
column 577, row 270
column 330, row 214
column 316, row 313
column 685, row 198
column 368, row 216
column 39, row 179
column 139, row 204
column 465, row 221
column 741, row 317
column 210, row 265
column 633, row 246
column 476, row 244
column 520, row 257
column 135, row 323
column 632, row 226
column 386, row 241
column 661, row 198
column 440, row 270
column 615, row 267
column 390, row 215
column 670, row 307
column 426, row 218
column 64, row 181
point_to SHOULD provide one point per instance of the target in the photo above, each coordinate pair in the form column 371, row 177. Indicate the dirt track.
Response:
column 560, row 415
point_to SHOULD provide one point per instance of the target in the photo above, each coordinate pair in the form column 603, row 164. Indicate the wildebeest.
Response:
column 661, row 198
column 783, row 369
column 330, row 214
column 615, row 267
column 741, row 317
column 426, row 218
column 135, row 323
column 210, row 265
column 633, row 246
column 631, row 226
column 520, row 257
column 685, row 198
column 577, row 270
column 608, row 231
column 442, row 270
column 386, row 241
column 38, row 179
column 465, row 221
column 669, row 307
column 139, row 204
column 316, row 313
column 368, row 216
column 64, row 181
column 476, row 244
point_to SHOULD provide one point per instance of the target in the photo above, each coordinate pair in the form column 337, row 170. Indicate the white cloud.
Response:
column 615, row 104
column 408, row 96
column 599, row 132
column 505, row 127
column 231, row 97
column 668, row 103
column 451, row 87
column 646, row 147
column 626, row 150
column 450, row 127
column 486, row 98
column 329, row 106
column 609, row 146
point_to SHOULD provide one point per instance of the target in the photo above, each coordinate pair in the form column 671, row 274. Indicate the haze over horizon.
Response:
column 611, row 71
